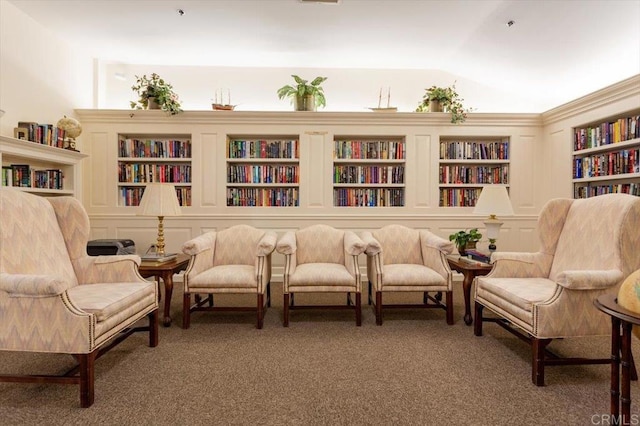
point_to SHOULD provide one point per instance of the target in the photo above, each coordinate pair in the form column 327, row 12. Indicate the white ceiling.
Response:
column 563, row 48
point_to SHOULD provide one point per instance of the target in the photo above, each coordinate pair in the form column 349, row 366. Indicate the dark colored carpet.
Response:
column 414, row 369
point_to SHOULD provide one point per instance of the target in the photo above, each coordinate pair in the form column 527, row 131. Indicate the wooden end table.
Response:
column 165, row 271
column 622, row 320
column 469, row 271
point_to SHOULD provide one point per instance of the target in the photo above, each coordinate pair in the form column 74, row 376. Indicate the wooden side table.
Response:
column 165, row 271
column 469, row 271
column 622, row 320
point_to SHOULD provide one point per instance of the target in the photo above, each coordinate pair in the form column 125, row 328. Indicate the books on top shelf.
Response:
column 155, row 259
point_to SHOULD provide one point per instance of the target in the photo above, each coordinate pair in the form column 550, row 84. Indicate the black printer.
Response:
column 110, row 247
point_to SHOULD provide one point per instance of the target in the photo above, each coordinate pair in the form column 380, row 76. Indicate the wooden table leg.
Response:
column 466, row 290
column 625, row 388
column 615, row 367
column 167, row 277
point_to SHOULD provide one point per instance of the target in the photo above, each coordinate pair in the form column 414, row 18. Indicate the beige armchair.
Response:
column 400, row 259
column 56, row 299
column 321, row 259
column 588, row 247
column 236, row 260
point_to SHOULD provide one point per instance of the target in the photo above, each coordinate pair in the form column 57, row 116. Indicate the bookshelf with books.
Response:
column 606, row 156
column 39, row 168
column 263, row 171
column 143, row 159
column 369, row 171
column 466, row 164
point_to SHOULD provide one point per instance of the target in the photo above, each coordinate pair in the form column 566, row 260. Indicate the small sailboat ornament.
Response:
column 387, row 108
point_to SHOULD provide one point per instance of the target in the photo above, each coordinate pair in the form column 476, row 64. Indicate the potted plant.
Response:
column 464, row 240
column 155, row 93
column 304, row 95
column 438, row 99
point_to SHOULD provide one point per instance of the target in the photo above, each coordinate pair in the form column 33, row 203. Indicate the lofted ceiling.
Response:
column 563, row 48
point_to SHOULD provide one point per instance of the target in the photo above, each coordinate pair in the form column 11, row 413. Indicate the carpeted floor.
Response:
column 413, row 370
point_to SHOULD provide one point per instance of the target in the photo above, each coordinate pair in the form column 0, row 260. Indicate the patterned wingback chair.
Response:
column 56, row 299
column 410, row 260
column 588, row 247
column 319, row 259
column 236, row 260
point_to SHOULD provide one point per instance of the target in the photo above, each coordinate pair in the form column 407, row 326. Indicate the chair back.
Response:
column 319, row 244
column 400, row 245
column 237, row 245
column 31, row 240
column 600, row 233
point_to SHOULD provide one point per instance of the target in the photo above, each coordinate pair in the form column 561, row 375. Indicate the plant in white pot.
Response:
column 155, row 93
column 438, row 99
column 304, row 95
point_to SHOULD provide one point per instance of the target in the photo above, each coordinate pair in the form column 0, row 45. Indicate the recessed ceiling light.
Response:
column 510, row 23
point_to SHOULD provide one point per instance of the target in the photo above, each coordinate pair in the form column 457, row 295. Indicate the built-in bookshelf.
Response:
column 263, row 171
column 144, row 159
column 369, row 171
column 606, row 156
column 467, row 164
column 38, row 168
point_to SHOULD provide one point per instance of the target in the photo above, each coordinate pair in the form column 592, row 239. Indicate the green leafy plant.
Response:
column 462, row 238
column 448, row 98
column 304, row 88
column 158, row 90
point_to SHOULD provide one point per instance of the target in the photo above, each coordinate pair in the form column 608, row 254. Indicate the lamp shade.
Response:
column 159, row 200
column 494, row 201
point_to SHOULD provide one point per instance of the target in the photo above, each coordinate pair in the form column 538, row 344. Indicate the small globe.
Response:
column 629, row 296
column 71, row 126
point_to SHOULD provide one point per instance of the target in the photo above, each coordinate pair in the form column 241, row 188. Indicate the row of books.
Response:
column 459, row 197
column 465, row 150
column 368, row 174
column 364, row 150
column 593, row 191
column 609, row 132
column 474, row 174
column 607, row 164
column 263, row 197
column 148, row 148
column 23, row 175
column 132, row 196
column 368, row 197
column 149, row 172
column 238, row 148
column 44, row 134
column 262, row 173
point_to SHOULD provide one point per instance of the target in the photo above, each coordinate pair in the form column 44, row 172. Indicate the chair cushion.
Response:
column 410, row 275
column 107, row 300
column 321, row 274
column 521, row 292
column 228, row 276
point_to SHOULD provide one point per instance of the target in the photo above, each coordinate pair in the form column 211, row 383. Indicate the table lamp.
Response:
column 494, row 201
column 159, row 199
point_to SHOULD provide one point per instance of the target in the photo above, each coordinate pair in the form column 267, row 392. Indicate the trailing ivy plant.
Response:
column 449, row 99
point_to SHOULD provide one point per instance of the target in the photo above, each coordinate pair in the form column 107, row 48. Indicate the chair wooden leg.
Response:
column 210, row 299
column 425, row 297
column 348, row 299
column 260, row 311
column 358, row 309
column 269, row 294
column 378, row 308
column 537, row 365
column 87, row 377
column 153, row 329
column 186, row 310
column 285, row 320
column 369, row 298
column 477, row 325
column 450, row 307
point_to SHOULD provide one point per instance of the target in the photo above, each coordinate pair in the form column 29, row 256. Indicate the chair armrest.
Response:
column 107, row 269
column 431, row 240
column 520, row 265
column 267, row 243
column 589, row 280
column 373, row 246
column 21, row 285
column 287, row 243
column 200, row 244
column 353, row 245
